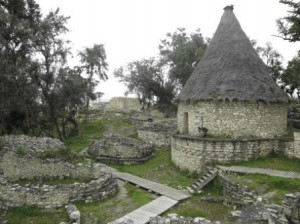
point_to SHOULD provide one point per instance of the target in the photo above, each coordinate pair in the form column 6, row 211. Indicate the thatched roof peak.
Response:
column 231, row 70
column 228, row 7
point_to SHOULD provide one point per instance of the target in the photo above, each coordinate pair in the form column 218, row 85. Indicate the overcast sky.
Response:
column 132, row 29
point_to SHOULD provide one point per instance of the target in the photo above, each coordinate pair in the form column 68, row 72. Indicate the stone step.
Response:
column 205, row 179
column 190, row 190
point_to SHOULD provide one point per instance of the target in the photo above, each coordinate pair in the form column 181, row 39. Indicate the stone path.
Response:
column 271, row 172
column 152, row 209
column 169, row 198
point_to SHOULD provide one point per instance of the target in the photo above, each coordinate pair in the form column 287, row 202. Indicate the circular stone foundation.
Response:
column 120, row 149
column 192, row 153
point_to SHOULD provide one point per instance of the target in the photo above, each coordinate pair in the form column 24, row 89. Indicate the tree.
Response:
column 291, row 77
column 39, row 92
column 71, row 93
column 51, row 56
column 18, row 20
column 181, row 52
column 94, row 63
column 288, row 26
column 147, row 80
column 272, row 58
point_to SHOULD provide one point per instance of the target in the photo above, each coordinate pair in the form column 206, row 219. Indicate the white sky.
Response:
column 132, row 29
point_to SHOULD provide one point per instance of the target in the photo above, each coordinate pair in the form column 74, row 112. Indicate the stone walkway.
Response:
column 169, row 197
column 270, row 172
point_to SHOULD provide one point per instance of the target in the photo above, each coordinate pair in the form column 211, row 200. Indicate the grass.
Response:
column 197, row 207
column 114, row 207
column 93, row 129
column 103, row 211
column 273, row 161
column 160, row 169
column 32, row 214
column 264, row 184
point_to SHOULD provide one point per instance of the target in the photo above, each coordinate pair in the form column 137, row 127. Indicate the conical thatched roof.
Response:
column 231, row 69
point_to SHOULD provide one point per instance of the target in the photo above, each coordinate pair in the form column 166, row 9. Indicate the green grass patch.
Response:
column 93, row 129
column 277, row 187
column 195, row 207
column 160, row 169
column 128, row 199
column 115, row 206
column 32, row 214
column 214, row 188
column 273, row 161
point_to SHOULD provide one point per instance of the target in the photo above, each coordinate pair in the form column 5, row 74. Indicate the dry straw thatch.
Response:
column 231, row 70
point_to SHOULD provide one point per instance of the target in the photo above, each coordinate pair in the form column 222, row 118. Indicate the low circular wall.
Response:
column 23, row 158
column 192, row 153
column 120, row 149
column 158, row 133
column 234, row 119
column 50, row 197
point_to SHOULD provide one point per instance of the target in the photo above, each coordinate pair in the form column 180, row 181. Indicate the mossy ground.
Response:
column 273, row 161
column 160, row 169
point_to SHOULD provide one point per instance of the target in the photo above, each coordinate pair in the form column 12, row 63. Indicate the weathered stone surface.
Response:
column 19, row 161
column 120, row 149
column 175, row 219
column 74, row 214
column 291, row 207
column 192, row 153
column 235, row 193
column 235, row 119
column 15, row 167
column 158, row 133
column 54, row 196
column 29, row 145
column 258, row 213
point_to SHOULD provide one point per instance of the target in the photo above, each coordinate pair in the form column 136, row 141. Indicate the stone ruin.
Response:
column 176, row 219
column 159, row 132
column 120, row 149
column 20, row 161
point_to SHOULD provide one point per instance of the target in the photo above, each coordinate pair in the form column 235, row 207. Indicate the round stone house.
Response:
column 229, row 95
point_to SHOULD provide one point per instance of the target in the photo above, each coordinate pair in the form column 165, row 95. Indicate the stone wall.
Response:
column 235, row 193
column 158, row 133
column 49, row 197
column 29, row 145
column 123, row 104
column 235, row 119
column 291, row 205
column 294, row 150
column 176, row 219
column 120, row 149
column 191, row 153
column 15, row 167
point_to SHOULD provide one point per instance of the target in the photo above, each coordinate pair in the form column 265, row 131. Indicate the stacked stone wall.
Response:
column 158, row 133
column 120, row 149
column 15, row 167
column 49, row 197
column 235, row 193
column 235, row 119
column 192, row 153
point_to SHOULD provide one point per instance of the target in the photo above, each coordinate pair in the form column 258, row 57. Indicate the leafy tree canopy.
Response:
column 289, row 26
